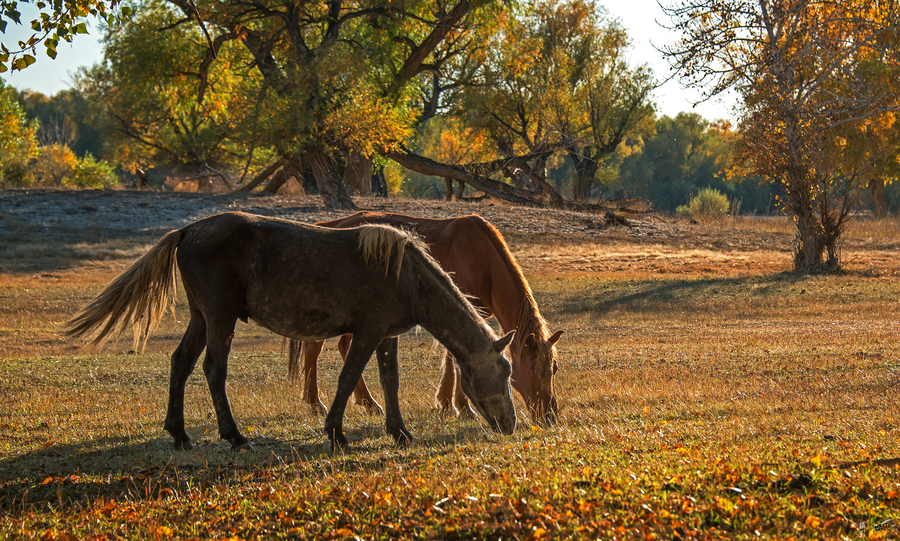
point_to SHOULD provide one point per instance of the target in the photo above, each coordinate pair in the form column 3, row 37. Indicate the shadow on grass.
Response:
column 46, row 230
column 71, row 476
column 664, row 296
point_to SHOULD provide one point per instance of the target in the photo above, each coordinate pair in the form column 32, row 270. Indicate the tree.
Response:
column 806, row 70
column 336, row 77
column 152, row 93
column 554, row 80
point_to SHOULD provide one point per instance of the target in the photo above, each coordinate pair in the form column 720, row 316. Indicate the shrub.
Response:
column 90, row 173
column 708, row 204
column 54, row 165
column 59, row 166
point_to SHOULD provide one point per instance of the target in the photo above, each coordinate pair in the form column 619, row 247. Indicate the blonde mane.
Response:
column 383, row 244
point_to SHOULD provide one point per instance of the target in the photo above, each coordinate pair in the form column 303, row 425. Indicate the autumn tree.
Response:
column 18, row 139
column 806, row 70
column 555, row 81
column 158, row 108
column 335, row 76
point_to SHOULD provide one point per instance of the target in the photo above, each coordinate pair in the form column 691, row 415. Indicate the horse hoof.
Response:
column 182, row 445
column 340, row 444
column 241, row 448
column 405, row 439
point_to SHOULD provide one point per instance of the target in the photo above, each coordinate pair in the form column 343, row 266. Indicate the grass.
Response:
column 694, row 406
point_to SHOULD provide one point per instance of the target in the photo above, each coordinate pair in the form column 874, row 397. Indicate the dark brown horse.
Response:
column 479, row 261
column 286, row 276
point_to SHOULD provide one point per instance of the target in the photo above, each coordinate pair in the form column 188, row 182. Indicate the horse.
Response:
column 285, row 276
column 479, row 261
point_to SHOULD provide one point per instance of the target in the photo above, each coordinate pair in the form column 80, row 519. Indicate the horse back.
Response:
column 298, row 280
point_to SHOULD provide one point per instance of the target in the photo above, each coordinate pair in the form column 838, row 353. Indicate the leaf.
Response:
column 81, row 28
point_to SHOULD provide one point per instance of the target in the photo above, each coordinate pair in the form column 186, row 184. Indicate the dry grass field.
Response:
column 707, row 393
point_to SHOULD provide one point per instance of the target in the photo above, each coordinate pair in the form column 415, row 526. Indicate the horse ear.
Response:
column 555, row 338
column 501, row 344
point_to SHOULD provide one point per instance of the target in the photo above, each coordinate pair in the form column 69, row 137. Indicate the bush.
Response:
column 57, row 165
column 709, row 204
column 90, row 173
column 54, row 165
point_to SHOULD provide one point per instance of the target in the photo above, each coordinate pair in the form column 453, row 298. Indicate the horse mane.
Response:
column 529, row 319
column 381, row 243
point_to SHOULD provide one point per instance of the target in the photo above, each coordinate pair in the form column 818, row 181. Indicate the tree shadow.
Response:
column 658, row 297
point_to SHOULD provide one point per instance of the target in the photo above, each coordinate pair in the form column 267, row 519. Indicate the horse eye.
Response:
column 555, row 367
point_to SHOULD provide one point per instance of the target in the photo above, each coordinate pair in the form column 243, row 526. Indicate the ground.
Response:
column 707, row 392
column 122, row 223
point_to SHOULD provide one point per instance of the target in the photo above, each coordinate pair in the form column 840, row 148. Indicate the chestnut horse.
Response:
column 479, row 261
column 285, row 276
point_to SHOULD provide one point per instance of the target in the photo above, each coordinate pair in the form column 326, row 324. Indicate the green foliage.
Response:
column 54, row 22
column 684, row 155
column 87, row 172
column 708, row 204
column 555, row 80
column 156, row 105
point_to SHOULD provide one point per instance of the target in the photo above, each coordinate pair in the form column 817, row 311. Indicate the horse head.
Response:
column 485, row 380
column 533, row 376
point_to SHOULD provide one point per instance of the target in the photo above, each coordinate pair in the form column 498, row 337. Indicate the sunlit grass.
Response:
column 692, row 407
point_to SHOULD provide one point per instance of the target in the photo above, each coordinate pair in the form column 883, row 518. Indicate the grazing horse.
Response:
column 479, row 261
column 285, row 276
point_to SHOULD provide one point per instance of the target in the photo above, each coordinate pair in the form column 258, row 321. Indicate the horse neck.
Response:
column 444, row 312
column 507, row 294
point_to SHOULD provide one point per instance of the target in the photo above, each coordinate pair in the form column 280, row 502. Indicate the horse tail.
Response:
column 383, row 244
column 138, row 298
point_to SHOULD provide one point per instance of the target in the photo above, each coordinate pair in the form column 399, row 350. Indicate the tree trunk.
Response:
column 379, row 182
column 328, row 179
column 358, row 174
column 879, row 198
column 585, row 170
column 261, row 177
column 810, row 249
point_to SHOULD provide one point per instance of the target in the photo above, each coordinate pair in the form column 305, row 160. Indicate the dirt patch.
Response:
column 56, row 234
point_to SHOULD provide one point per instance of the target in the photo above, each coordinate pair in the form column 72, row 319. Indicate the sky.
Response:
column 640, row 18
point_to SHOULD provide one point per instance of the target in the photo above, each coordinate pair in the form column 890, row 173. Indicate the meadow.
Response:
column 707, row 392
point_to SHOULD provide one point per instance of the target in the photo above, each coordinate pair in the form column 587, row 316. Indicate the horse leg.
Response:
column 310, row 350
column 361, row 394
column 215, row 366
column 389, row 372
column 361, row 350
column 460, row 400
column 444, row 396
column 184, row 359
